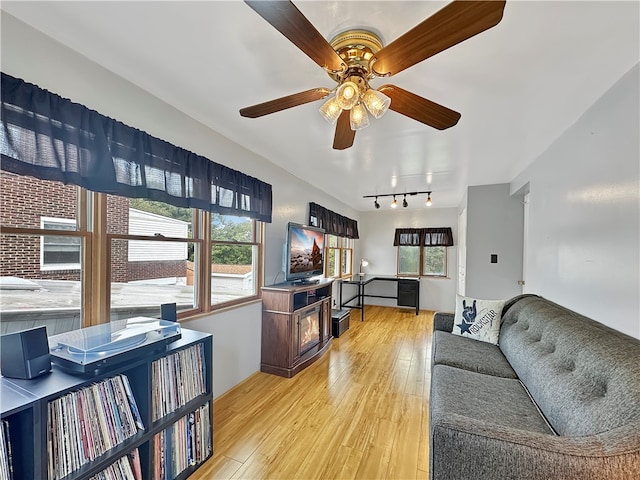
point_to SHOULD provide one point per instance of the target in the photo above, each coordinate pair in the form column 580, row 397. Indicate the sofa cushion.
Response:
column 492, row 400
column 469, row 354
column 478, row 319
column 584, row 376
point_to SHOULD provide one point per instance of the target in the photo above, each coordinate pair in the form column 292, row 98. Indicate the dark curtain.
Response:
column 49, row 137
column 333, row 223
column 438, row 237
column 424, row 237
column 408, row 236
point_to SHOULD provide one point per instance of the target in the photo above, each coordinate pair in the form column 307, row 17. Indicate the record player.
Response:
column 98, row 349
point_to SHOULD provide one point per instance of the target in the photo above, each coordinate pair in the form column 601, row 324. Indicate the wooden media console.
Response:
column 296, row 326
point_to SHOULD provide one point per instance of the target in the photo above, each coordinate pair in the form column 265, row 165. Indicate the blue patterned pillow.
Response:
column 478, row 319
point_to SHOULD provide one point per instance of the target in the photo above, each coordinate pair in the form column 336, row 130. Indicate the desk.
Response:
column 407, row 293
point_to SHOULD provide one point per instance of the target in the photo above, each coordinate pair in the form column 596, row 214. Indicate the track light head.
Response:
column 394, row 204
column 375, row 203
column 428, row 203
column 404, row 201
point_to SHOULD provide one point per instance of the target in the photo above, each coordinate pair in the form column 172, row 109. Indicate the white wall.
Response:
column 28, row 54
column 494, row 226
column 377, row 230
column 584, row 212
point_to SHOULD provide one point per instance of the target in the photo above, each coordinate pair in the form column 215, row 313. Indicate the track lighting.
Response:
column 394, row 204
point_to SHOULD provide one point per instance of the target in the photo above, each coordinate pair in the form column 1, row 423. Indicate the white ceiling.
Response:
column 518, row 85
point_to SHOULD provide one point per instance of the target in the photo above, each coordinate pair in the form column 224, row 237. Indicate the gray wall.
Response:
column 377, row 229
column 584, row 215
column 494, row 226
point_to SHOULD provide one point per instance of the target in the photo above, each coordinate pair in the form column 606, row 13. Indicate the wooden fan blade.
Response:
column 420, row 109
column 449, row 26
column 288, row 20
column 344, row 135
column 283, row 103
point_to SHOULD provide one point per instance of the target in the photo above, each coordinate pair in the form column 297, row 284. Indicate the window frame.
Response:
column 257, row 244
column 95, row 257
column 343, row 248
column 103, row 226
column 51, row 267
column 421, row 259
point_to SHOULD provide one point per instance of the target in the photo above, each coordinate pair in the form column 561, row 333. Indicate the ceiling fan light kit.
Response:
column 347, row 95
column 376, row 102
column 330, row 110
column 358, row 118
column 355, row 57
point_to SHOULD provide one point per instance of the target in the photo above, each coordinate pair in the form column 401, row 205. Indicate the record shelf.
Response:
column 172, row 393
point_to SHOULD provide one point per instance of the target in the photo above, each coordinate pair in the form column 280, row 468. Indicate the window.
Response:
column 140, row 254
column 339, row 256
column 42, row 244
column 408, row 260
column 59, row 252
column 340, row 234
column 151, row 257
column 423, row 251
column 235, row 253
column 90, row 256
column 422, row 261
column 434, row 261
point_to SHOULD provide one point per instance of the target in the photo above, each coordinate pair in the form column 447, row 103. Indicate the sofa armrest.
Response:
column 443, row 321
column 464, row 448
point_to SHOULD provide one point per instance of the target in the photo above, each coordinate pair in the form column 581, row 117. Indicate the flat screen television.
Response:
column 304, row 253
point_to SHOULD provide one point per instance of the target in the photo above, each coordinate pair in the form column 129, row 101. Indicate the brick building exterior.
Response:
column 25, row 201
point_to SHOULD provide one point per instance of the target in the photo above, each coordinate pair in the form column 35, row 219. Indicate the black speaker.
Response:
column 169, row 311
column 25, row 354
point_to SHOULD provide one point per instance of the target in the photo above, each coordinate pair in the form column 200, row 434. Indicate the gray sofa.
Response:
column 558, row 398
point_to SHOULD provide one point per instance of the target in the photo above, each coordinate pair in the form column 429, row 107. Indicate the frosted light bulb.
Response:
column 330, row 110
column 347, row 95
column 358, row 118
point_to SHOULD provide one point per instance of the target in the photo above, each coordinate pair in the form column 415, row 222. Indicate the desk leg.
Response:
column 340, row 295
column 361, row 301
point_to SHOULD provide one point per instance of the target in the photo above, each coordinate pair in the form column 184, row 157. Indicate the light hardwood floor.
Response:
column 360, row 412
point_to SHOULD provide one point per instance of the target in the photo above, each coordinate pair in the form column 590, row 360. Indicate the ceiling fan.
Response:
column 354, row 57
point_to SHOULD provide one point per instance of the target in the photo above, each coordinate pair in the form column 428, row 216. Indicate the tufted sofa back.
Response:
column 584, row 376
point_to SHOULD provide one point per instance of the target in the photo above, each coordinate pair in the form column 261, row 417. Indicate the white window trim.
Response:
column 57, row 266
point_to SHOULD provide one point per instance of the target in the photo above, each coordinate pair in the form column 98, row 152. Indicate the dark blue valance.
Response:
column 332, row 222
column 49, row 137
column 423, row 237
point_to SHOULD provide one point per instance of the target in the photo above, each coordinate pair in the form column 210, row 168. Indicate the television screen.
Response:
column 304, row 252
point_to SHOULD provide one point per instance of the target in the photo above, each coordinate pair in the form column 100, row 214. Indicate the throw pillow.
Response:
column 478, row 319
